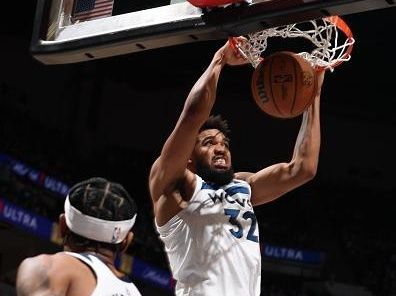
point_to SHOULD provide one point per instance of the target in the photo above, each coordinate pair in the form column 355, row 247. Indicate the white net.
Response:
column 330, row 47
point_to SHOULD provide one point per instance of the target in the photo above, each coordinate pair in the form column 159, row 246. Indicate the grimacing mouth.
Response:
column 222, row 163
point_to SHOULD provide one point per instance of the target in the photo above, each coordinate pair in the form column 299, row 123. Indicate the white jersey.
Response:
column 107, row 284
column 213, row 244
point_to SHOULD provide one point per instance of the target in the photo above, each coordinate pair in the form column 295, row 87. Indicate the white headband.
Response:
column 112, row 232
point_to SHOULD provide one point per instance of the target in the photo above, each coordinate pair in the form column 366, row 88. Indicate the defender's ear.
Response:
column 63, row 226
column 127, row 241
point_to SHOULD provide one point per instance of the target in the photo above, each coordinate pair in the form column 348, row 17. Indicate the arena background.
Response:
column 60, row 124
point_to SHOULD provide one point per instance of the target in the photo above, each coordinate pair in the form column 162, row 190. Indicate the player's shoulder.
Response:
column 241, row 185
column 243, row 176
column 32, row 263
column 43, row 262
column 46, row 273
column 34, row 269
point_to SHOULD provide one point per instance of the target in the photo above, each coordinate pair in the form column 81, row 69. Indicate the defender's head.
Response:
column 98, row 214
column 211, row 157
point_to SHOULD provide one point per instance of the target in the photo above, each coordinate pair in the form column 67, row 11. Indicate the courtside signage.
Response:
column 24, row 219
column 291, row 254
column 36, row 176
column 151, row 274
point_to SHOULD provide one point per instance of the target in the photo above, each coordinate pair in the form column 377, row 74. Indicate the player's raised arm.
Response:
column 274, row 181
column 170, row 169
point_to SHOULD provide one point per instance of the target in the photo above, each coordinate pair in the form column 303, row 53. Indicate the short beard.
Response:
column 218, row 177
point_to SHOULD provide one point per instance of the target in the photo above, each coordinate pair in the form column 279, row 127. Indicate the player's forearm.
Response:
column 203, row 94
column 171, row 166
column 306, row 151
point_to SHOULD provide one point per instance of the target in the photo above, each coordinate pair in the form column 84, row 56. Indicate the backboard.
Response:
column 59, row 39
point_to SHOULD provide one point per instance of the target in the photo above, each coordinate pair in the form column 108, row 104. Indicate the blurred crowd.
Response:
column 48, row 151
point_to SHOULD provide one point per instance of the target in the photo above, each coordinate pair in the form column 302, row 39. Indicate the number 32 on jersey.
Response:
column 234, row 218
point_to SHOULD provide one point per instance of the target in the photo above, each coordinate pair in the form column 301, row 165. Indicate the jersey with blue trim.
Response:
column 107, row 284
column 213, row 244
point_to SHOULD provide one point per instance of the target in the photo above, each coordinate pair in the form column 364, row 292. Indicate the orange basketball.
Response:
column 284, row 85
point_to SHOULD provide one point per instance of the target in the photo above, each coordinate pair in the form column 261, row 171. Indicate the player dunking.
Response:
column 96, row 227
column 203, row 210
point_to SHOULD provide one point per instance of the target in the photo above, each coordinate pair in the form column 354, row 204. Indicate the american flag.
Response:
column 85, row 10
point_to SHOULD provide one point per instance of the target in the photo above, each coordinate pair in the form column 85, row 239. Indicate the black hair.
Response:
column 100, row 198
column 216, row 122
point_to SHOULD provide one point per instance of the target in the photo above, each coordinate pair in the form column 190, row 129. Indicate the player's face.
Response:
column 212, row 150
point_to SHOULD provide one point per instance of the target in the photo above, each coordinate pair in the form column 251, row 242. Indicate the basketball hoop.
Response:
column 331, row 48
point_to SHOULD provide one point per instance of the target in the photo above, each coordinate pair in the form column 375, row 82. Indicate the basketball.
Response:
column 284, row 85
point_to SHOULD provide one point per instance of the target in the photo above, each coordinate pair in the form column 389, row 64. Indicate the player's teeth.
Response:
column 220, row 161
